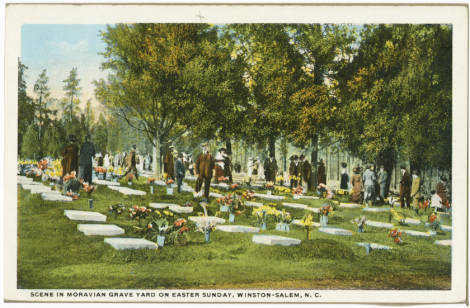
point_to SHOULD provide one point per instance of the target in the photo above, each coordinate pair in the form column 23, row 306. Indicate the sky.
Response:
column 58, row 49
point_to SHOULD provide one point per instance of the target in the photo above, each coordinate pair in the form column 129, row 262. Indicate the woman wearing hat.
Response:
column 356, row 182
column 70, row 157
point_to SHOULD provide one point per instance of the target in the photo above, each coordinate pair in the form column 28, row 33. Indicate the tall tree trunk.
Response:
column 314, row 158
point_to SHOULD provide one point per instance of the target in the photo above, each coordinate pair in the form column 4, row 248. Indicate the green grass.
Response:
column 53, row 254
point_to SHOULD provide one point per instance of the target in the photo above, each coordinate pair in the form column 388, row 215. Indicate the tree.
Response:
column 146, row 86
column 72, row 90
column 25, row 105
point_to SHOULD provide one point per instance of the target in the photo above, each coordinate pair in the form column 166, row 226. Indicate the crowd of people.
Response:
column 365, row 185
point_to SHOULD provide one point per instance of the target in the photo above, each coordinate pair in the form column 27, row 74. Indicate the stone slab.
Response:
column 84, row 215
column 411, row 221
column 298, row 223
column 350, row 205
column 121, row 243
column 255, row 204
column 443, row 242
column 55, row 196
column 269, row 197
column 180, row 209
column 160, row 206
column 204, row 220
column 375, row 246
column 446, row 228
column 100, row 229
column 376, row 209
column 234, row 228
column 379, row 224
column 335, row 231
column 104, row 182
column 416, row 233
column 275, row 240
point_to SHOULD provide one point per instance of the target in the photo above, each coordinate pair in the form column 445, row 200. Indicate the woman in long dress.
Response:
column 356, row 182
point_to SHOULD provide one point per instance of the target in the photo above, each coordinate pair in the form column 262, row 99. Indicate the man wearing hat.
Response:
column 132, row 162
column 180, row 171
column 204, row 167
column 382, row 181
column 405, row 188
column 321, row 173
column 441, row 189
column 294, row 170
column 306, row 172
column 87, row 151
column 168, row 163
column 70, row 156
column 270, row 169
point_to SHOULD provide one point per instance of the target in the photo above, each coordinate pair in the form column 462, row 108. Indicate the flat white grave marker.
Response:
column 100, row 229
column 121, row 243
column 84, row 215
column 275, row 240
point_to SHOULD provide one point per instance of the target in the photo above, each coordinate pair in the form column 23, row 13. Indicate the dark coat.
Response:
column 70, row 159
column 204, row 165
column 87, row 151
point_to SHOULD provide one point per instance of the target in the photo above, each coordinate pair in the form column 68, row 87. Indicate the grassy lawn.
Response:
column 52, row 253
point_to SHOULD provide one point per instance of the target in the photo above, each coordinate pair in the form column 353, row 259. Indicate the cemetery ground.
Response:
column 53, row 254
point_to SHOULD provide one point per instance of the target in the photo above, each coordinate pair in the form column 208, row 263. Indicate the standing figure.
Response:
column 306, row 173
column 382, row 181
column 369, row 184
column 87, row 151
column 344, row 177
column 227, row 167
column 270, row 169
column 132, row 162
column 441, row 189
column 169, row 164
column 70, row 157
column 294, row 171
column 321, row 173
column 405, row 188
column 415, row 188
column 204, row 168
column 180, row 171
column 356, row 182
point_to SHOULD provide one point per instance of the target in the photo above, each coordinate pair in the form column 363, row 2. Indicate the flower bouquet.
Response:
column 262, row 213
column 307, row 222
column 283, row 219
column 396, row 235
column 360, row 222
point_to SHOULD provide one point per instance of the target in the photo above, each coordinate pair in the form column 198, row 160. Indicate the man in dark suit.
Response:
column 180, row 171
column 270, row 169
column 204, row 167
column 405, row 188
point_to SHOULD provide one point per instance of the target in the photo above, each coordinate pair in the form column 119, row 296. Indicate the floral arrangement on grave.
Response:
column 262, row 213
column 396, row 235
column 361, row 223
column 100, row 170
column 269, row 185
column 222, row 179
column 130, row 177
column 434, row 222
column 307, row 222
column 71, row 184
column 116, row 209
column 151, row 181
column 139, row 213
column 298, row 190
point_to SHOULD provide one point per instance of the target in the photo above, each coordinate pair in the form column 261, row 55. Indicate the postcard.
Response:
column 236, row 153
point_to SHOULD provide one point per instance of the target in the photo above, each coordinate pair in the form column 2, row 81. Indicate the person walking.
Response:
column 87, row 152
column 405, row 188
column 70, row 157
column 132, row 162
column 204, row 168
column 180, row 171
